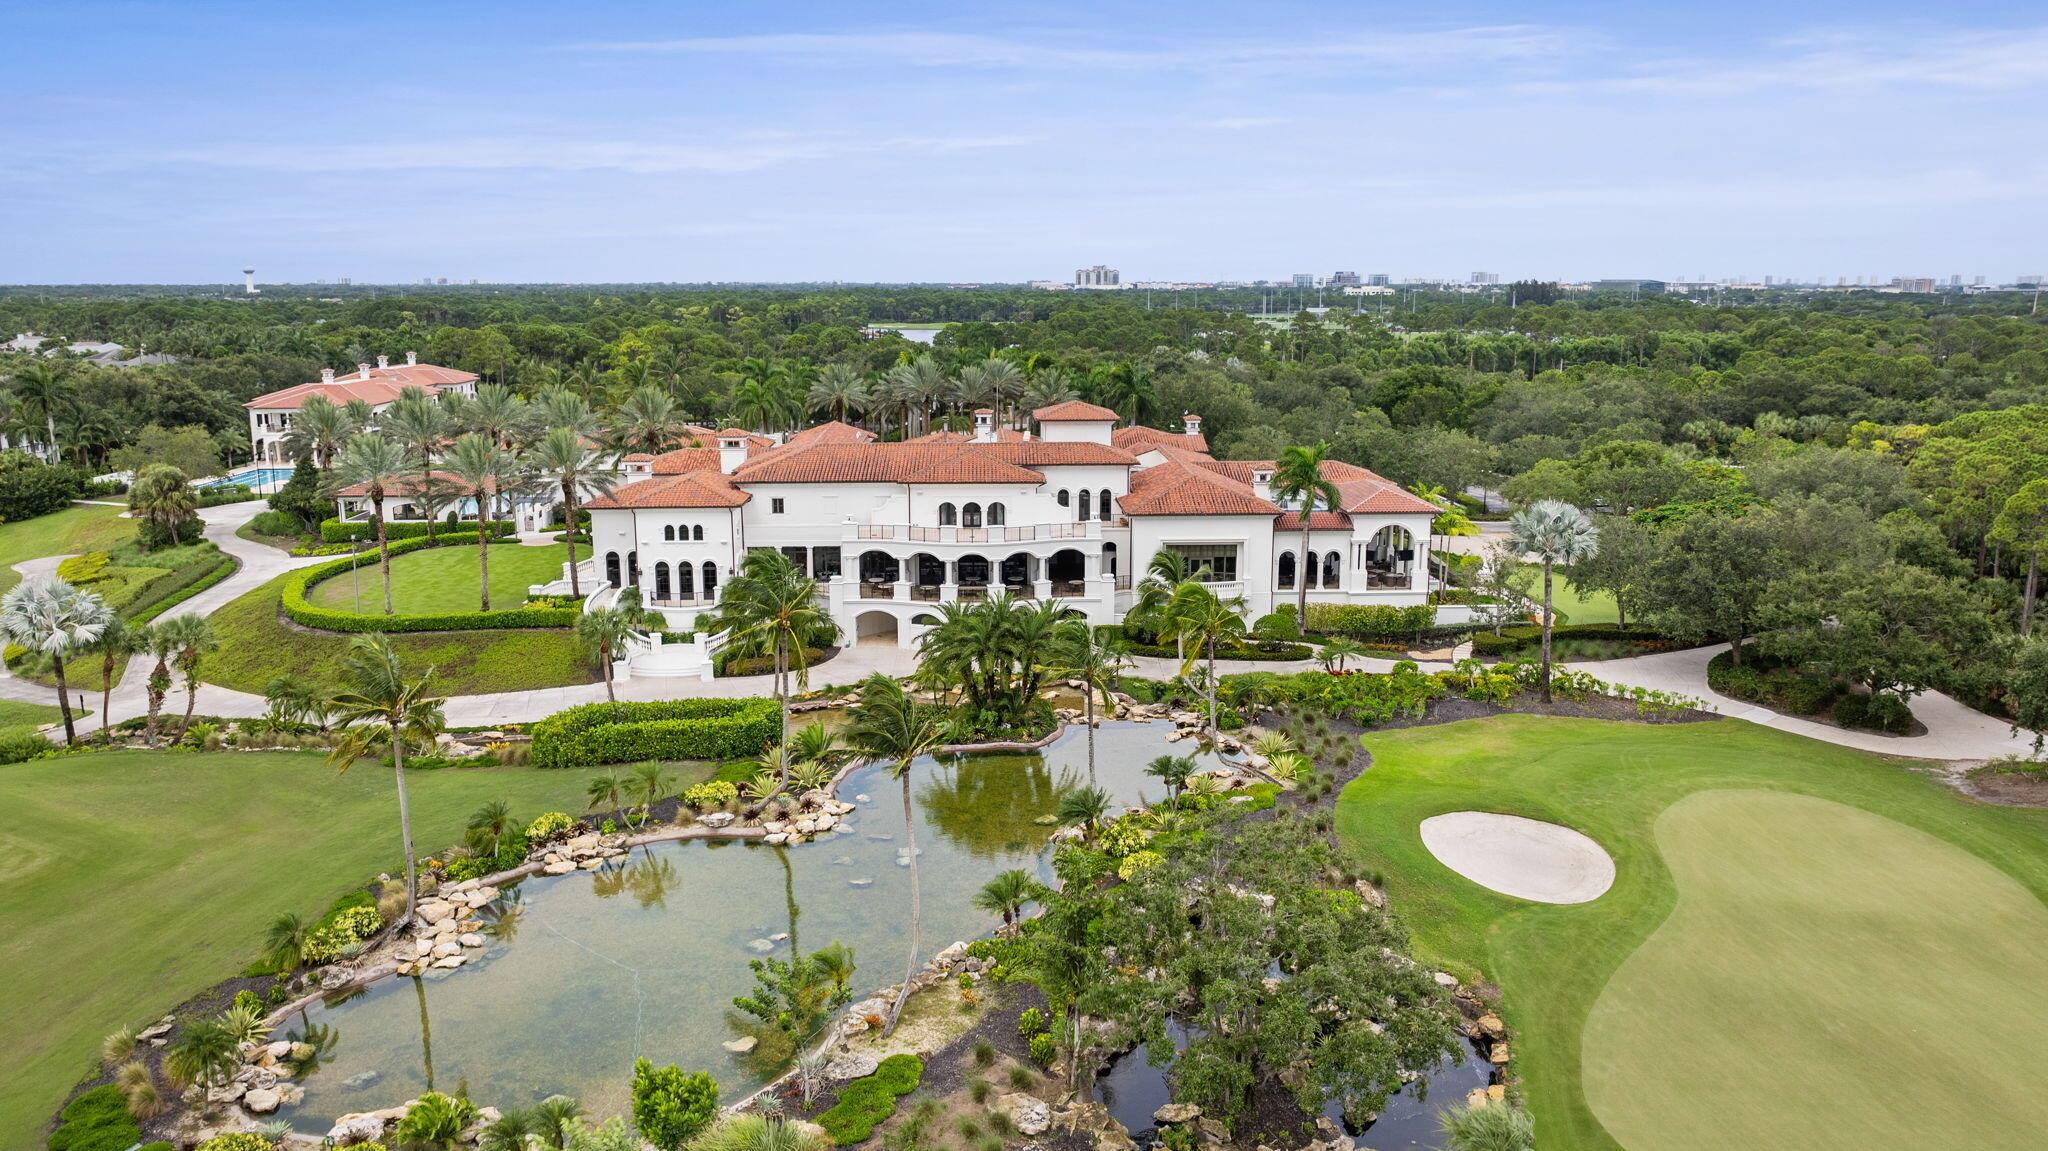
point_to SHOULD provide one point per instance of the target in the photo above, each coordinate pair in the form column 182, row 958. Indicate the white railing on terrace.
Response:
column 949, row 534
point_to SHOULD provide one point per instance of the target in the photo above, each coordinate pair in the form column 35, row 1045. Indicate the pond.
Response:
column 1132, row 1088
column 588, row 971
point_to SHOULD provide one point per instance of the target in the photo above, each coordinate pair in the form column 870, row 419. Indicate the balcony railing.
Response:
column 1021, row 533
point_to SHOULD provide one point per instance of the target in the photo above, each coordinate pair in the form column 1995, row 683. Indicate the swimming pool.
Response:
column 253, row 477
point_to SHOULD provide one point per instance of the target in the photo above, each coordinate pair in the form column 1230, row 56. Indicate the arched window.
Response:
column 1333, row 570
column 996, row 515
column 668, row 532
column 1286, row 569
column 1102, row 506
column 1109, row 559
column 686, row 583
column 611, row 568
column 947, row 516
column 697, row 531
column 1065, row 497
column 970, row 516
column 633, row 568
column 1081, row 507
column 661, row 588
column 710, row 580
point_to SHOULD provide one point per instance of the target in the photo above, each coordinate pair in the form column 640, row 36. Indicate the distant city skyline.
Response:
column 386, row 143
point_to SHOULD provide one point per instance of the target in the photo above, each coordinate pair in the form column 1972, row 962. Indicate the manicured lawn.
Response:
column 1768, row 969
column 282, row 543
column 443, row 579
column 73, row 531
column 132, row 880
column 257, row 645
column 1593, row 607
column 17, row 717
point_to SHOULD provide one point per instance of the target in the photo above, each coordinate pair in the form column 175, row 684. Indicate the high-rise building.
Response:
column 1097, row 276
column 1304, row 279
column 248, row 281
column 1378, row 280
column 1485, row 278
column 1344, row 280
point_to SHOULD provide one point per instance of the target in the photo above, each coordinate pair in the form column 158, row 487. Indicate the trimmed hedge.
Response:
column 337, row 532
column 300, row 611
column 1521, row 638
column 1763, row 680
column 663, row 729
column 225, row 494
column 1357, row 620
column 160, row 594
column 97, row 1120
column 871, row 1099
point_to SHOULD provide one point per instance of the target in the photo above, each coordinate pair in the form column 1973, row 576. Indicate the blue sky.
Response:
column 557, row 142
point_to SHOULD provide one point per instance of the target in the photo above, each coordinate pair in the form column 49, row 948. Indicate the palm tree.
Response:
column 1173, row 771
column 605, row 632
column 51, row 616
column 1083, row 654
column 378, row 707
column 1449, row 520
column 1166, row 572
column 650, row 785
column 42, row 391
column 285, row 943
column 488, row 826
column 1201, row 620
column 1337, row 650
column 1048, row 387
column 1007, row 893
column 1084, row 807
column 116, row 643
column 193, row 638
column 564, row 458
column 554, row 1120
column 648, row 421
column 606, row 792
column 377, row 464
column 892, row 726
column 319, row 431
column 163, row 499
column 839, row 390
column 770, row 606
column 1298, row 479
column 1127, row 383
column 513, row 1130
column 497, row 413
column 1004, row 383
column 164, row 647
column 203, row 1053
column 488, row 471
column 558, row 407
column 420, row 425
column 1555, row 533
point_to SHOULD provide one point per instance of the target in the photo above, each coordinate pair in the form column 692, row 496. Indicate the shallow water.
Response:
column 588, row 971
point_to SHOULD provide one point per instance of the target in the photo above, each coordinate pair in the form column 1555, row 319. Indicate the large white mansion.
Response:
column 271, row 415
column 1073, row 514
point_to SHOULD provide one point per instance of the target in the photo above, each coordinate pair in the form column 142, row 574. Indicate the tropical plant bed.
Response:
column 733, row 666
column 258, row 644
column 1592, row 641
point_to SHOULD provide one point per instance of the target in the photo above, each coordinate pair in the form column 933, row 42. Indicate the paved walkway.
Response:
column 1954, row 732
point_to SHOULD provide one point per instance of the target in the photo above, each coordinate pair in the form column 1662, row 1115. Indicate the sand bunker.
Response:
column 1525, row 858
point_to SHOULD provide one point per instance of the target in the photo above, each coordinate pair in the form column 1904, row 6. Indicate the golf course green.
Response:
column 1804, row 946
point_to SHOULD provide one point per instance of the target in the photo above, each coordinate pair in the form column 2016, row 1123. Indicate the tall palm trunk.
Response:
column 605, row 653
column 1211, row 685
column 383, row 546
column 106, row 698
column 159, row 684
column 191, row 697
column 64, row 702
column 1089, row 689
column 1547, row 621
column 1301, row 580
column 916, row 906
column 782, row 704
column 569, row 502
column 483, row 560
column 419, row 986
column 404, row 825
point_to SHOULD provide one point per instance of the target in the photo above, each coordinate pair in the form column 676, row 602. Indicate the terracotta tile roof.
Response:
column 1073, row 410
column 381, row 386
column 834, row 432
column 1368, row 492
column 943, row 436
column 1183, row 487
column 1239, row 470
column 693, row 490
column 1039, row 453
column 406, row 487
column 684, row 460
column 1138, row 439
column 907, row 463
column 1318, row 521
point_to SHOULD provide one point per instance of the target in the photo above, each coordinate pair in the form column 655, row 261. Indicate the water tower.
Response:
column 248, row 281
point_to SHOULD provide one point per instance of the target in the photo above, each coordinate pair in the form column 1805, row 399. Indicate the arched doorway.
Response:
column 1068, row 571
column 710, row 580
column 1286, row 579
column 611, row 568
column 633, row 568
column 875, row 627
column 1333, row 570
column 879, row 572
column 1390, row 557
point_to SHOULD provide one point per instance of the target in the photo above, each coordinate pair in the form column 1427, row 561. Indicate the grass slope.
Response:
column 1818, row 942
column 443, row 579
column 1613, row 781
column 17, row 717
column 1592, row 607
column 73, row 531
column 132, row 880
column 257, row 645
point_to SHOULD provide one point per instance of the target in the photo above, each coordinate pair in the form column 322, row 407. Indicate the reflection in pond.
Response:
column 583, row 973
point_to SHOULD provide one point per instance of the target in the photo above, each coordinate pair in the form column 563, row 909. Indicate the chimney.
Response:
column 1191, row 423
column 383, row 362
column 1262, row 478
column 326, row 375
column 362, row 369
column 732, row 451
column 411, row 358
column 984, row 426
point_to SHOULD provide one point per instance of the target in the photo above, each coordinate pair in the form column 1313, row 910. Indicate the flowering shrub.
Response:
column 238, row 1141
column 1123, row 836
column 347, row 928
column 1138, row 861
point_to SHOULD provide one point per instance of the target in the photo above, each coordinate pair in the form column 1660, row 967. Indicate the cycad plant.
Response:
column 1007, row 893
